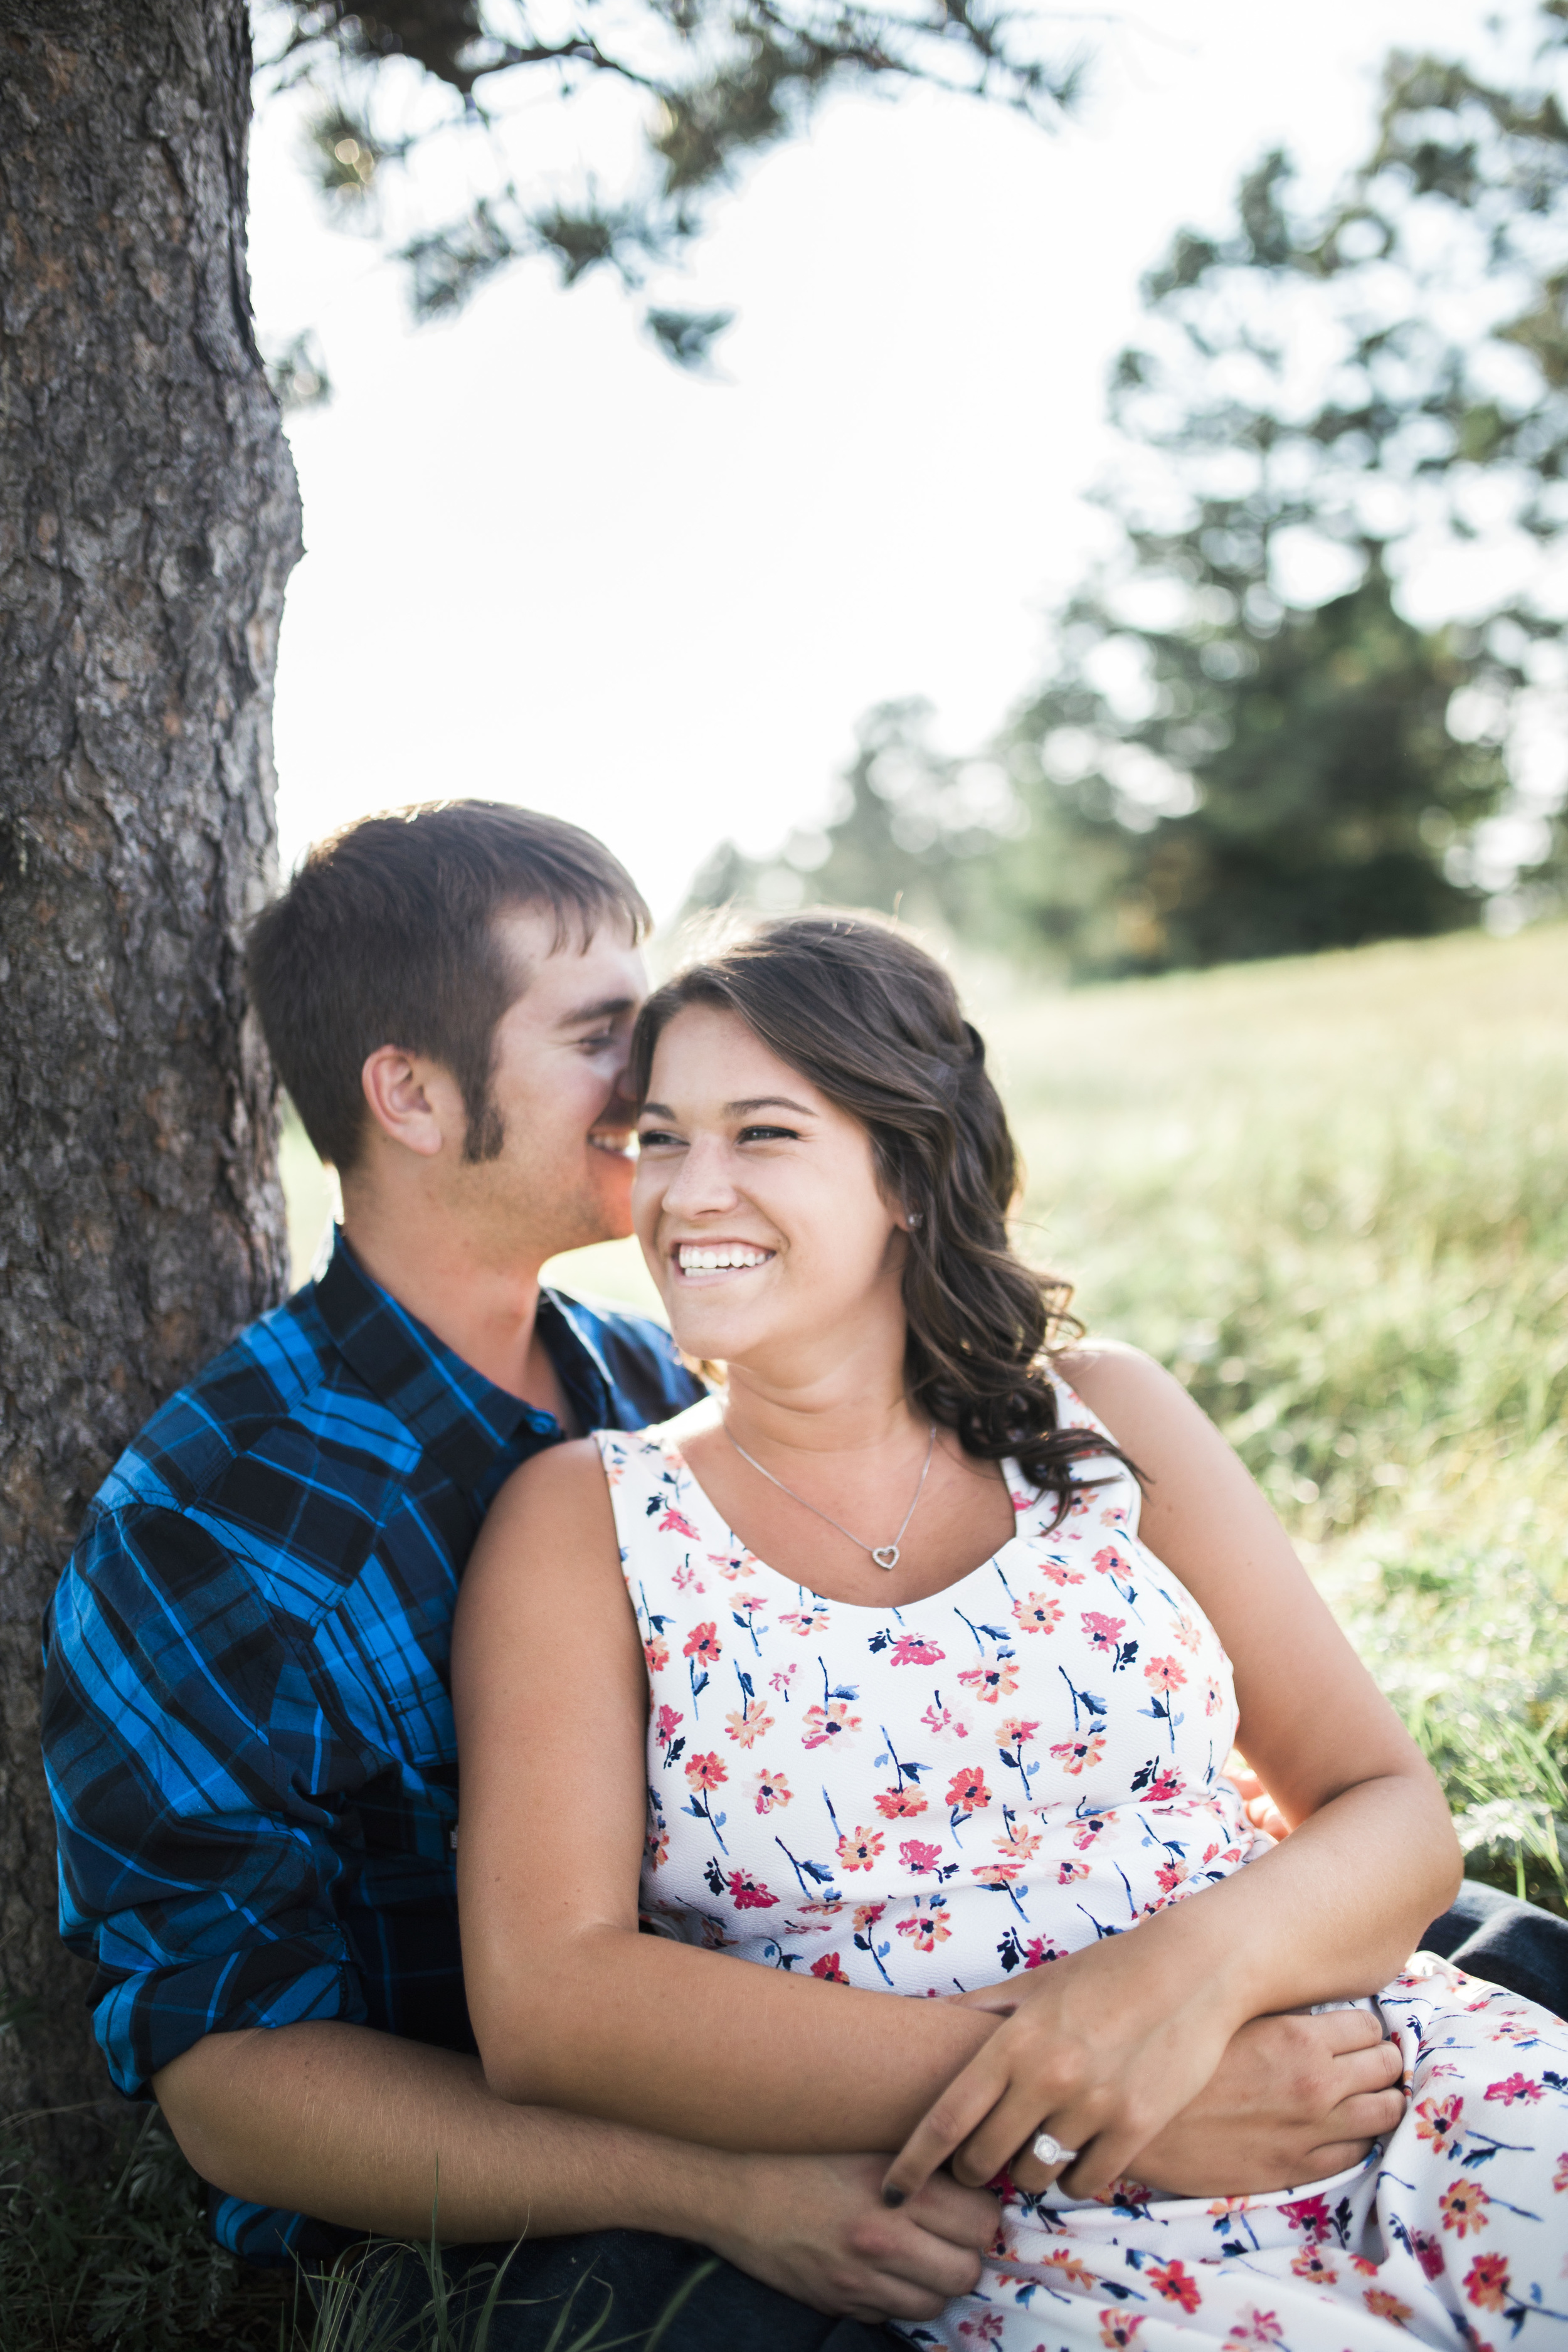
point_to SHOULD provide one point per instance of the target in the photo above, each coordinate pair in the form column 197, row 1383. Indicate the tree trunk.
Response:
column 149, row 522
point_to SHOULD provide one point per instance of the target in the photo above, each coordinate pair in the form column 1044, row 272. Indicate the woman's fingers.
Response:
column 962, row 2108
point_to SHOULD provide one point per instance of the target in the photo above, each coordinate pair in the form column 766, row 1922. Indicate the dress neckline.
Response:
column 707, row 1510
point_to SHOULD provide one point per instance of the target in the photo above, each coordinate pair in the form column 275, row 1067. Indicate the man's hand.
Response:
column 817, row 2228
column 1293, row 2099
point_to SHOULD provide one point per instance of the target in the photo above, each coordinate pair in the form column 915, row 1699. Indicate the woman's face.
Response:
column 757, row 1205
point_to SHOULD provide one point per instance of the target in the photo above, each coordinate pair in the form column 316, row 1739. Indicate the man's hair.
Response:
column 386, row 936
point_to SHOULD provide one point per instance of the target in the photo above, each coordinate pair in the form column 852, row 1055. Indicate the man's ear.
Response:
column 413, row 1102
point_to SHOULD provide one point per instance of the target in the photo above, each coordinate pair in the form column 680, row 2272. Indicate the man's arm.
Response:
column 348, row 2124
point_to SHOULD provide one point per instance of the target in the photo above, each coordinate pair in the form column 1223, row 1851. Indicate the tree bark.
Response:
column 149, row 520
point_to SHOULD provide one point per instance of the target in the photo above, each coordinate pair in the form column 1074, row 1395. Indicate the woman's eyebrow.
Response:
column 766, row 1102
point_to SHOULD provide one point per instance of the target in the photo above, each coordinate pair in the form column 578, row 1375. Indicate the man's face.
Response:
column 562, row 1177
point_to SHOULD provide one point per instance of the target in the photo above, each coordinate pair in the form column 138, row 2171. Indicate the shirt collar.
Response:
column 458, row 1415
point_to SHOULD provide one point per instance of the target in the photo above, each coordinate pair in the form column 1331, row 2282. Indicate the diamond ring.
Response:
column 1051, row 2151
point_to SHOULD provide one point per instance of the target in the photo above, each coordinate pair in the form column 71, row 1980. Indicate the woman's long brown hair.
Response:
column 875, row 1024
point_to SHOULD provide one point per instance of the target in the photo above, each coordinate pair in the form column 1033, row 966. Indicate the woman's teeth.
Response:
column 718, row 1257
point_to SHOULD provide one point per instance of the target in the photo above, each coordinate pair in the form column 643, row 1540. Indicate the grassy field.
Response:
column 1332, row 1195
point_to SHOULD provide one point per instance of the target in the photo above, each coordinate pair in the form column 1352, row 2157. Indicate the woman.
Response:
column 885, row 1669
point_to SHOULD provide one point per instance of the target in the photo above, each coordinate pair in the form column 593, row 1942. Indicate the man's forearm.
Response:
column 350, row 2126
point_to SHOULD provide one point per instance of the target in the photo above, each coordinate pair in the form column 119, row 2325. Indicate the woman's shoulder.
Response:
column 1134, row 1399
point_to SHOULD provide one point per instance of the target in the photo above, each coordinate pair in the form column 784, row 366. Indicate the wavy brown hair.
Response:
column 875, row 1024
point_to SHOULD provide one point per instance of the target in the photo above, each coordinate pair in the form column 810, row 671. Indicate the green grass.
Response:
column 1333, row 1196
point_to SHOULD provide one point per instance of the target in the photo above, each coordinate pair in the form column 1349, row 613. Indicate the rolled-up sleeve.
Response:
column 203, row 1788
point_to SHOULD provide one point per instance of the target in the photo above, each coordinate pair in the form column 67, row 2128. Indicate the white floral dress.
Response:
column 927, row 1799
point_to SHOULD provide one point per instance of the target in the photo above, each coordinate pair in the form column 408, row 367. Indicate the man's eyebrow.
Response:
column 606, row 1009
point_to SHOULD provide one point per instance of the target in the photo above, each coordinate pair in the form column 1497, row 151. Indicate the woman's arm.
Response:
column 571, row 2006
column 1106, row 2045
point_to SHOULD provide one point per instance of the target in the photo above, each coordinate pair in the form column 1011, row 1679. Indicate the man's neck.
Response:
column 486, row 1311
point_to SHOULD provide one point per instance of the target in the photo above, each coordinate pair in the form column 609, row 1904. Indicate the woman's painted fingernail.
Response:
column 892, row 2196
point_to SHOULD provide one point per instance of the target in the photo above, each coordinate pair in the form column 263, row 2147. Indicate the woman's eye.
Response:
column 768, row 1135
column 656, row 1138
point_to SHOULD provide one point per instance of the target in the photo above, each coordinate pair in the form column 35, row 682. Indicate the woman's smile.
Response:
column 709, row 1261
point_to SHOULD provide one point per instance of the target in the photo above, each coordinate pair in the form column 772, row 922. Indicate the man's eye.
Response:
column 600, row 1038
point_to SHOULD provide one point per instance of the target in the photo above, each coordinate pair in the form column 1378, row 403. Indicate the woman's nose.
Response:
column 703, row 1183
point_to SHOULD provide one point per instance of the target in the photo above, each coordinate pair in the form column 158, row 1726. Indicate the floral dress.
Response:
column 925, row 1799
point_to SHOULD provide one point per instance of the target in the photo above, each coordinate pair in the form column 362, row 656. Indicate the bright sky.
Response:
column 545, row 566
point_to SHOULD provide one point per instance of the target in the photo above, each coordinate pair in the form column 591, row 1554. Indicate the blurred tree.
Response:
column 1243, row 745
column 715, row 81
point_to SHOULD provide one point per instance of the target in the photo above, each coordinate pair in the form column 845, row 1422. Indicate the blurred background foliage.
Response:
column 1244, row 745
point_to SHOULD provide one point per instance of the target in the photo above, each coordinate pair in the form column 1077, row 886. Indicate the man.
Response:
column 246, row 1718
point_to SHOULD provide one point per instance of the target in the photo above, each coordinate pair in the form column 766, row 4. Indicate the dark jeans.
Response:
column 612, row 2288
column 1508, row 1942
column 1490, row 1934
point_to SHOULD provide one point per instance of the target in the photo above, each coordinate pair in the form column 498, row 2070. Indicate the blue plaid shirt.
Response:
column 247, row 1726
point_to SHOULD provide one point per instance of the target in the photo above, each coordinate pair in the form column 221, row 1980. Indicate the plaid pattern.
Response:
column 247, row 1727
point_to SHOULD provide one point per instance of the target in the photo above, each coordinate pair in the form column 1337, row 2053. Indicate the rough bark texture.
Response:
column 149, row 520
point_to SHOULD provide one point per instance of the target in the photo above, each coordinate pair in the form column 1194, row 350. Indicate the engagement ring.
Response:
column 1051, row 2151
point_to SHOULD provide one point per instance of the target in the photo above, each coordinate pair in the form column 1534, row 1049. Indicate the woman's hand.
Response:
column 1100, row 2048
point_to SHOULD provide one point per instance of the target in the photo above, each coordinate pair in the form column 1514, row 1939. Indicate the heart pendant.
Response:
column 886, row 1555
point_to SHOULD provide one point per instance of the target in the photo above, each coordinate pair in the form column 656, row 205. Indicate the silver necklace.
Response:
column 885, row 1555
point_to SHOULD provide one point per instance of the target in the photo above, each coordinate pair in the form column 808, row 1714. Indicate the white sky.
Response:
column 545, row 565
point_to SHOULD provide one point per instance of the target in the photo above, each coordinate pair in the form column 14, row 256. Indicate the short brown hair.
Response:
column 860, row 1009
column 386, row 936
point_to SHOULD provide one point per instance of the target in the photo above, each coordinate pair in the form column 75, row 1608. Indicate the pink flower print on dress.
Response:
column 657, row 1652
column 827, row 1968
column 1486, row 2281
column 829, row 1722
column 1438, row 2121
column 926, row 1929
column 1165, row 1787
column 1041, row 1950
column 1015, row 1733
column 987, row 2329
column 1258, row 2327
column 1517, row 2086
column 750, row 1724
column 1313, row 2262
column 901, row 1804
column 1463, row 2208
column 1384, row 2305
column 967, row 1791
column 665, row 1724
column 1164, row 1674
column 675, row 1524
column 1076, row 1755
column 687, row 1579
column 1088, row 1831
column 1212, row 1699
column 657, row 1847
column 994, row 1679
column 919, row 1858
column 732, row 1565
column 1186, row 1631
column 1104, row 1632
column 749, row 1893
column 804, row 1621
column 1176, row 2283
column 771, row 1788
column 858, row 1850
column 941, row 1724
column 998, row 1874
column 1108, row 1562
column 782, row 1677
column 703, row 1643
column 1429, row 2252
column 1117, row 2332
column 1038, row 1612
column 1067, row 1872
column 1170, row 1875
column 707, row 1771
column 913, row 1650
column 1560, row 2178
